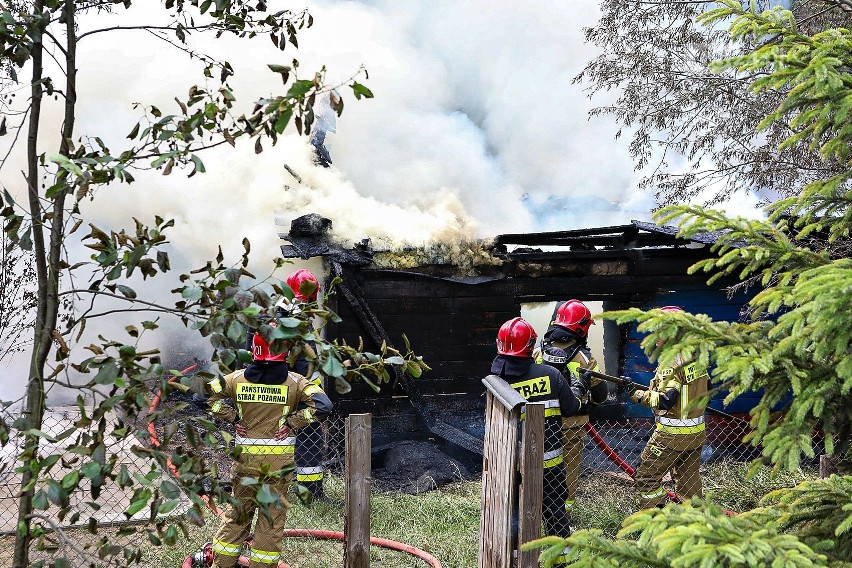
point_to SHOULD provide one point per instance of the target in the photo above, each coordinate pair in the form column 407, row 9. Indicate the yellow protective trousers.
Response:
column 573, row 440
column 268, row 531
column 665, row 452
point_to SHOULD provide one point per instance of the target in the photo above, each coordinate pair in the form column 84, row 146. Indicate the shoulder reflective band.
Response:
column 215, row 385
column 533, row 387
column 226, row 548
column 268, row 450
column 313, row 388
column 562, row 558
column 263, row 394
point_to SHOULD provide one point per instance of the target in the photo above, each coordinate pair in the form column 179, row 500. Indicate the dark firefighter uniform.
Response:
column 310, row 445
column 543, row 383
column 267, row 397
column 578, row 356
column 676, row 442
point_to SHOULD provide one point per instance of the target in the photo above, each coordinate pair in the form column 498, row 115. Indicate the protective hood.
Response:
column 274, row 373
column 510, row 366
column 558, row 333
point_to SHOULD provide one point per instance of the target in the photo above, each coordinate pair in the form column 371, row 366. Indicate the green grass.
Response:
column 726, row 484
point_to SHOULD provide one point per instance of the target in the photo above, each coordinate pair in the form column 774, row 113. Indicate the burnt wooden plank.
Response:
column 535, row 238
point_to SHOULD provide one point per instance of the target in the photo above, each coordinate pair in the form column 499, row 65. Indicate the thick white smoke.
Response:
column 476, row 130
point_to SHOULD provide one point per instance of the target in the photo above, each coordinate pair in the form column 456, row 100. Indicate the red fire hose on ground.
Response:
column 623, row 465
column 206, row 555
column 616, row 459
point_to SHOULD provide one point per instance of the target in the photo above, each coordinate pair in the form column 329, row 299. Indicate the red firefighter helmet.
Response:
column 672, row 309
column 516, row 337
column 574, row 316
column 296, row 282
column 260, row 349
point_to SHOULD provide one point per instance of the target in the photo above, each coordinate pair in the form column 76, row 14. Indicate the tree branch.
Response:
column 145, row 28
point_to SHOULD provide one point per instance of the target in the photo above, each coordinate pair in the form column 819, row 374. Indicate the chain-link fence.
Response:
column 73, row 492
column 608, row 450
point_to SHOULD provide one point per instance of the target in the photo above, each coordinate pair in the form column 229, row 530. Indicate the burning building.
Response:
column 450, row 299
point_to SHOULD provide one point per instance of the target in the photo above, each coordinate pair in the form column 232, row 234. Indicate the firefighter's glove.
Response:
column 581, row 384
column 634, row 393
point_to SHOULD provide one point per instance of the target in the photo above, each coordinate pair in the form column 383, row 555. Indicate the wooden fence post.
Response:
column 356, row 552
column 500, row 475
column 531, row 492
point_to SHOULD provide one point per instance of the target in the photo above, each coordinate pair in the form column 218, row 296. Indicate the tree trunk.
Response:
column 47, row 262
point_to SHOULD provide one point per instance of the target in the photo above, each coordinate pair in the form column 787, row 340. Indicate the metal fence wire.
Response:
column 607, row 449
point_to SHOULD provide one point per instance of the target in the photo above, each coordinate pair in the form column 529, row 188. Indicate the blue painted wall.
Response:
column 714, row 303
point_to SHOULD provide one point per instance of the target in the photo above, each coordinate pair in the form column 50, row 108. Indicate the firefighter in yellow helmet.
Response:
column 679, row 435
column 564, row 347
column 272, row 404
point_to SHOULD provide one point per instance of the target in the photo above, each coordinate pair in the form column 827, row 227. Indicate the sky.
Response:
column 476, row 129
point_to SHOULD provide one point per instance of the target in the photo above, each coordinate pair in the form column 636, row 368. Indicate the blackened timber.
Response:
column 377, row 333
column 540, row 238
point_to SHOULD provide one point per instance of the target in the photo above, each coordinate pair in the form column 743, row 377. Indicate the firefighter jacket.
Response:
column 267, row 397
column 579, row 356
column 541, row 383
column 670, row 396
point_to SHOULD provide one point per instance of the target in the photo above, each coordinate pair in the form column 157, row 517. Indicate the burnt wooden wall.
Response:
column 452, row 323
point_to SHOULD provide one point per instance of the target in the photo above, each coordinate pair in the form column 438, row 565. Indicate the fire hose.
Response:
column 611, row 453
column 205, row 556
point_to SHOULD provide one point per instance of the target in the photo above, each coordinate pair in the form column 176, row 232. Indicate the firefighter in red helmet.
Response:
column 568, row 333
column 678, row 435
column 271, row 404
column 304, row 284
column 540, row 383
column 309, row 442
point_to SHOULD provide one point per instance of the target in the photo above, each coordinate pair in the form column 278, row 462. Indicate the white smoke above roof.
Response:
column 476, row 130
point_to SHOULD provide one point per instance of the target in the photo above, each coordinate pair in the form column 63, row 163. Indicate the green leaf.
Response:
column 236, row 332
column 139, row 502
column 192, row 293
column 299, row 88
column 168, row 506
column 361, row 91
column 91, row 470
column 40, row 500
column 169, row 490
column 332, row 367
column 69, row 481
column 126, row 291
column 413, row 369
column 107, row 374
column 266, row 495
column 283, row 119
